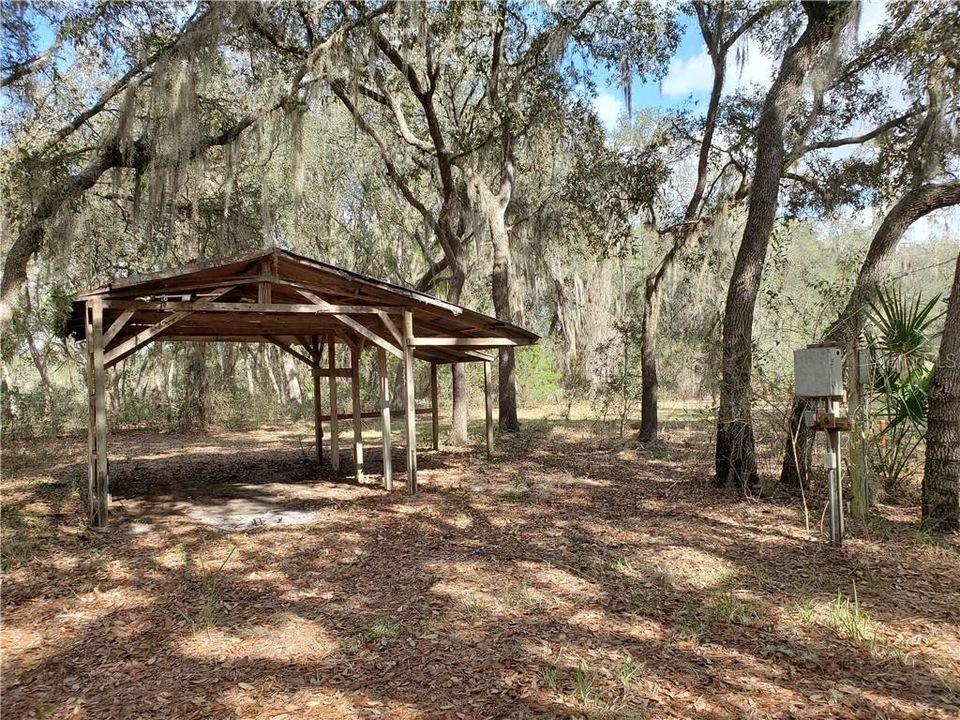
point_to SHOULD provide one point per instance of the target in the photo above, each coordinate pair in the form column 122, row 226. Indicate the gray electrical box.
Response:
column 818, row 372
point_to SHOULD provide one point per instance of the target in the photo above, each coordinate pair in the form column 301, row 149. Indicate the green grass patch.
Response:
column 850, row 620
column 519, row 595
column 692, row 625
column 727, row 607
column 380, row 631
column 803, row 610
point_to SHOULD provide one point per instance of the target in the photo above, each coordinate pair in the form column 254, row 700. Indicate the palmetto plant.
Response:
column 900, row 337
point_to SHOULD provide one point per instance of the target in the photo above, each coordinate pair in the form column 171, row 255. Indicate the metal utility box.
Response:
column 818, row 372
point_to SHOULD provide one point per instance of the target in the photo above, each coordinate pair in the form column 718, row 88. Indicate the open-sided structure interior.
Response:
column 303, row 306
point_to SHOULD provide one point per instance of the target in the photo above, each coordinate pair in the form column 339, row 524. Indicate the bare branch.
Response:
column 340, row 90
column 855, row 140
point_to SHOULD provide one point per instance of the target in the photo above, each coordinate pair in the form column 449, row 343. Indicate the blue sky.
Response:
column 688, row 81
column 690, row 73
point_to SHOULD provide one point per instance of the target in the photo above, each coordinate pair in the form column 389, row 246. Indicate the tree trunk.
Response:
column 649, row 382
column 459, row 434
column 194, row 410
column 649, row 422
column 845, row 331
column 500, row 285
column 718, row 47
column 736, row 460
column 941, row 471
column 37, row 357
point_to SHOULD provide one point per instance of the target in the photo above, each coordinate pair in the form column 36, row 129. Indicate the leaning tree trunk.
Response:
column 845, row 331
column 941, row 471
column 649, row 381
column 736, row 460
column 31, row 235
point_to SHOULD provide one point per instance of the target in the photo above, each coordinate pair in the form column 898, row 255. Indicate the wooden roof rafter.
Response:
column 276, row 295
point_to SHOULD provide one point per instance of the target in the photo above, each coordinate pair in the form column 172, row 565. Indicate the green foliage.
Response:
column 589, row 217
column 619, row 392
column 901, row 344
column 519, row 595
column 549, row 675
column 691, row 623
column 583, row 685
column 804, row 610
column 522, row 490
column 629, row 670
column 537, row 375
column 900, row 338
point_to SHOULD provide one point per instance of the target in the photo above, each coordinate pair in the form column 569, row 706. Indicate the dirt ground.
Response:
column 569, row 577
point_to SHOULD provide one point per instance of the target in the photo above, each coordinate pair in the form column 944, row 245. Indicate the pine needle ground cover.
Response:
column 566, row 578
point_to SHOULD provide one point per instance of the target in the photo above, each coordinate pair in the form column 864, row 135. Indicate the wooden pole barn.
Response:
column 305, row 307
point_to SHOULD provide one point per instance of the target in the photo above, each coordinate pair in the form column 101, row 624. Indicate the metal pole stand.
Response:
column 831, row 461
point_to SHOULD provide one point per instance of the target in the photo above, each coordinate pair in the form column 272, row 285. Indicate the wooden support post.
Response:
column 385, row 419
column 98, row 478
column 434, row 406
column 334, row 422
column 357, row 412
column 488, row 407
column 264, row 288
column 410, row 403
column 91, row 419
column 316, row 349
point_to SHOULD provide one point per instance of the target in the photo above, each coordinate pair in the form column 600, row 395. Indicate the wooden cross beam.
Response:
column 361, row 330
column 483, row 342
column 117, row 326
column 134, row 343
column 286, row 347
column 246, row 307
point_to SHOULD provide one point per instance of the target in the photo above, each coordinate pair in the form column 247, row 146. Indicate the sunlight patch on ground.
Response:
column 282, row 637
column 238, row 514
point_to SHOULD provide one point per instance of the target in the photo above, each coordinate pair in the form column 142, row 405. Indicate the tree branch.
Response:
column 28, row 67
column 855, row 140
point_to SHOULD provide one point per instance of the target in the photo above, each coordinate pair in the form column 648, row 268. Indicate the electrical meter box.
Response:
column 818, row 372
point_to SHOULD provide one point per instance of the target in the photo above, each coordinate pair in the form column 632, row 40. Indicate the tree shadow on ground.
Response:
column 517, row 588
